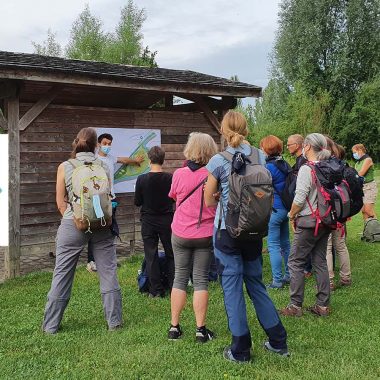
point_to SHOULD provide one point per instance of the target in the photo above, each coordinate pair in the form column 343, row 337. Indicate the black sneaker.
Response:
column 174, row 332
column 278, row 351
column 203, row 335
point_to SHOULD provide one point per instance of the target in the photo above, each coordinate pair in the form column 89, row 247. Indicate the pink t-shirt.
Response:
column 185, row 221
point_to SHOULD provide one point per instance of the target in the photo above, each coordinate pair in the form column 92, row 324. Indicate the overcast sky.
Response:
column 217, row 37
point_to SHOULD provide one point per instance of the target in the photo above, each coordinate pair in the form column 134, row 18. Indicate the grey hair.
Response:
column 297, row 138
column 318, row 143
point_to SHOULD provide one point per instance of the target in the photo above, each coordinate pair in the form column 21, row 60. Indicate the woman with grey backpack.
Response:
column 83, row 196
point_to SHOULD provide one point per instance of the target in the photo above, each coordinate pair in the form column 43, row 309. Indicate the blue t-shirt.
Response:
column 220, row 168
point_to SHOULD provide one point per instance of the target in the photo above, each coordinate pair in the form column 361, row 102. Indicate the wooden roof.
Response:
column 60, row 70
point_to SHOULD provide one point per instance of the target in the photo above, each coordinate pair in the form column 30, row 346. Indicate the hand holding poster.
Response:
column 130, row 143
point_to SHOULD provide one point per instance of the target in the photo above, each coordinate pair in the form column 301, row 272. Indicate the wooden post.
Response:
column 12, row 253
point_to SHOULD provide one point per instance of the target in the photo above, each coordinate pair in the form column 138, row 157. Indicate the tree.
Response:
column 332, row 45
column 48, row 47
column 363, row 122
column 324, row 64
column 87, row 39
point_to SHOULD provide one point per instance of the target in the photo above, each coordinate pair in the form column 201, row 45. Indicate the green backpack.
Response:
column 371, row 231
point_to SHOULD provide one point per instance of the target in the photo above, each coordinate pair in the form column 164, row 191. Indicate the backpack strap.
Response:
column 193, row 191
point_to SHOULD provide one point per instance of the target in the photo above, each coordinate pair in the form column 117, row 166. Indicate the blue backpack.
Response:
column 142, row 275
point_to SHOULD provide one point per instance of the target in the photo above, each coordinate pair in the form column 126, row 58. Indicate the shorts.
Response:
column 370, row 192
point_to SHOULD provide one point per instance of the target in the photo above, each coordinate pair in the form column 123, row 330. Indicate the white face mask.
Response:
column 304, row 154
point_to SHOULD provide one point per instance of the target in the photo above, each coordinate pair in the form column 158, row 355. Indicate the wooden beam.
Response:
column 3, row 121
column 204, row 107
column 120, row 82
column 12, row 253
column 38, row 107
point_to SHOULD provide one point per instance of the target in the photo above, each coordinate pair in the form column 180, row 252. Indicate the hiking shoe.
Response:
column 345, row 282
column 275, row 285
column 91, row 266
column 332, row 285
column 227, row 354
column 115, row 328
column 291, row 311
column 278, row 351
column 203, row 335
column 307, row 274
column 320, row 311
column 285, row 281
column 174, row 332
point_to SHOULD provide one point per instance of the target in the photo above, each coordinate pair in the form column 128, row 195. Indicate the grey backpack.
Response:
column 250, row 198
column 371, row 231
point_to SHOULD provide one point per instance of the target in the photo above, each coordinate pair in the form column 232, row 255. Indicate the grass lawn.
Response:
column 345, row 345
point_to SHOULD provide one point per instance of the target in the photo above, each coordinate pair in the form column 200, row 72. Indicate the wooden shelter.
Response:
column 45, row 101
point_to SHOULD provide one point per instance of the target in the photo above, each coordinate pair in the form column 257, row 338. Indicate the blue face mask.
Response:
column 356, row 156
column 105, row 149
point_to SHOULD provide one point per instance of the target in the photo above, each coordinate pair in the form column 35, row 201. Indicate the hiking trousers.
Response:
column 234, row 272
column 338, row 241
column 306, row 245
column 69, row 245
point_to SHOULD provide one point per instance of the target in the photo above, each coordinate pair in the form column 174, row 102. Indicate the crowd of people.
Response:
column 191, row 212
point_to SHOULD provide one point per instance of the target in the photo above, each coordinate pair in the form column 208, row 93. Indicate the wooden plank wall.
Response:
column 47, row 142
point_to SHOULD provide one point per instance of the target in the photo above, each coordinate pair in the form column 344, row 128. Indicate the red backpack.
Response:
column 334, row 204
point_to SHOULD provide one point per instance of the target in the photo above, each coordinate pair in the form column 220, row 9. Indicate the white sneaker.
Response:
column 91, row 266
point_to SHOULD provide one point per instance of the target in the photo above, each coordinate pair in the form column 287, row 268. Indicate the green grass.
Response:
column 345, row 345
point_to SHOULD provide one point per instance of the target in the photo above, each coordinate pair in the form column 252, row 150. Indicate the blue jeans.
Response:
column 234, row 270
column 279, row 245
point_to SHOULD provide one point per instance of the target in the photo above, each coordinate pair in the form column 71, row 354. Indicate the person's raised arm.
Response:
column 61, row 196
column 130, row 161
column 211, row 191
column 366, row 166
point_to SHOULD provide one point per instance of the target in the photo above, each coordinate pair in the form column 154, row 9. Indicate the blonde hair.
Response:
column 200, row 148
column 360, row 147
column 234, row 128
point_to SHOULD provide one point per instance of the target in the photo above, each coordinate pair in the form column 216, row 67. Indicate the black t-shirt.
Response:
column 151, row 194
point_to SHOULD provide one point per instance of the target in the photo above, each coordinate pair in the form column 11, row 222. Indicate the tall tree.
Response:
column 126, row 44
column 87, row 39
column 48, row 47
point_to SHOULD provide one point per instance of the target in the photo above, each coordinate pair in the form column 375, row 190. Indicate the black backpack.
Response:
column 355, row 183
column 142, row 275
column 287, row 194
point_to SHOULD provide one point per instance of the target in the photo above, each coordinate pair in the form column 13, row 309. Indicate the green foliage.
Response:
column 48, row 47
column 363, row 124
column 343, row 346
column 88, row 41
column 324, row 64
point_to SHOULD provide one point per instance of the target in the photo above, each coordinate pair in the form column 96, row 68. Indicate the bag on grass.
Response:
column 371, row 232
column 142, row 274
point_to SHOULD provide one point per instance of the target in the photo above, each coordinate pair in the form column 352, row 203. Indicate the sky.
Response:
column 216, row 37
